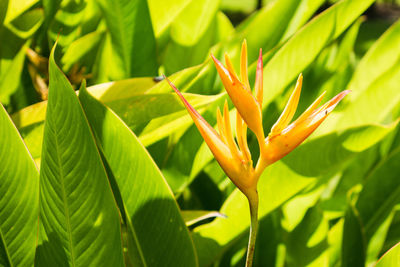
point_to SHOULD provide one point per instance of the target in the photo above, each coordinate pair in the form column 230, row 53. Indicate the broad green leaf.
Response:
column 133, row 41
column 179, row 55
column 164, row 126
column 11, row 69
column 81, row 47
column 78, row 213
column 391, row 258
column 129, row 97
column 305, row 10
column 192, row 22
column 27, row 24
column 245, row 6
column 163, row 13
column 152, row 106
column 376, row 201
column 66, row 23
column 301, row 50
column 17, row 7
column 383, row 56
column 375, row 104
column 277, row 15
column 148, row 202
column 19, row 197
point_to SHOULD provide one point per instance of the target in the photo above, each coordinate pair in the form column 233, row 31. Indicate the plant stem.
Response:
column 253, row 203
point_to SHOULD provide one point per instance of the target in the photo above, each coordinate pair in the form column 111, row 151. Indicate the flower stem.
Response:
column 253, row 203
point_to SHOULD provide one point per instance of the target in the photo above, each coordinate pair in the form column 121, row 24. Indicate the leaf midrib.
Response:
column 66, row 210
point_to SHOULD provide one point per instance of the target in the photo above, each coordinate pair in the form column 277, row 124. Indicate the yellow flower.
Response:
column 234, row 156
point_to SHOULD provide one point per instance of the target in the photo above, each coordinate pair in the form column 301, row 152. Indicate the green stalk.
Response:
column 253, row 204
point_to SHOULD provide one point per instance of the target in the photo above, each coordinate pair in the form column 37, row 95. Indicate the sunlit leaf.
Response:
column 149, row 205
column 19, row 197
column 192, row 22
column 27, row 24
column 163, row 13
column 391, row 258
column 11, row 69
column 17, row 7
column 78, row 213
column 299, row 51
column 132, row 38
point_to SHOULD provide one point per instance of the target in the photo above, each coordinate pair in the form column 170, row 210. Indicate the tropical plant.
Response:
column 117, row 173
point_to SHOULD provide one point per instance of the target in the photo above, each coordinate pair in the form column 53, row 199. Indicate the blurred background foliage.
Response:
column 333, row 202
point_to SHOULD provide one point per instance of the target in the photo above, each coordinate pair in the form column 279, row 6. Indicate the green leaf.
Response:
column 375, row 104
column 78, row 213
column 391, row 258
column 81, row 47
column 132, row 99
column 65, row 26
column 282, row 17
column 151, row 210
column 11, row 70
column 132, row 37
column 19, row 197
column 375, row 203
column 152, row 106
column 17, row 7
column 163, row 13
column 193, row 21
column 27, row 24
column 380, row 58
column 299, row 52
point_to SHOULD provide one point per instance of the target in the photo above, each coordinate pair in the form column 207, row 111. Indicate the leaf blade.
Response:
column 78, row 213
column 19, row 178
column 150, row 206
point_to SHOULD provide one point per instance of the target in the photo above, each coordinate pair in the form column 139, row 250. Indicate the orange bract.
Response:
column 235, row 158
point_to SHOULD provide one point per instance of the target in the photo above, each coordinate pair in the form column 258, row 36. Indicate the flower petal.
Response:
column 289, row 110
column 232, row 166
column 243, row 100
column 259, row 80
column 243, row 66
column 281, row 144
column 241, row 136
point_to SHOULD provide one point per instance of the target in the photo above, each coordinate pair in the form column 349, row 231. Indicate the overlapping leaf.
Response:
column 78, row 212
column 151, row 211
column 19, row 197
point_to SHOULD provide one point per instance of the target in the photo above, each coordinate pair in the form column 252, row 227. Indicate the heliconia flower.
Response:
column 234, row 157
